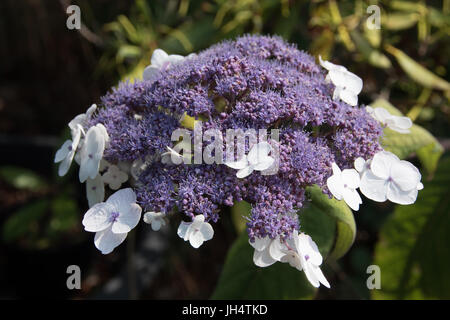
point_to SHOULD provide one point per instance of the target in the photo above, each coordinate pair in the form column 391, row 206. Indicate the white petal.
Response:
column 97, row 218
column 382, row 162
column 207, row 231
column 244, row 172
column 182, row 230
column 293, row 259
column 276, row 249
column 348, row 97
column 420, row 186
column 373, row 187
column 159, row 56
column 198, row 219
column 106, row 241
column 263, row 258
column 95, row 190
column 330, row 66
column 381, row 114
column 264, row 164
column 91, row 110
column 150, row 73
column 310, row 274
column 175, row 58
column 351, row 178
column 352, row 198
column 156, row 224
column 399, row 124
column 348, row 81
column 405, row 175
column 319, row 275
column 258, row 152
column 127, row 220
column 396, row 195
column 336, row 186
column 359, row 164
column 122, row 200
column 63, row 151
column 240, row 164
column 336, row 169
column 260, row 244
column 196, row 239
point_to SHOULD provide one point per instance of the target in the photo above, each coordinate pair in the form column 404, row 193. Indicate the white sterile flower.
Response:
column 114, row 177
column 267, row 251
column 95, row 190
column 66, row 153
column 389, row 178
column 160, row 61
column 396, row 123
column 343, row 185
column 310, row 259
column 92, row 152
column 347, row 85
column 80, row 121
column 257, row 159
column 196, row 232
column 113, row 219
column 155, row 219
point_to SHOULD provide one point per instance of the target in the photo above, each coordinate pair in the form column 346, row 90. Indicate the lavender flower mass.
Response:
column 254, row 82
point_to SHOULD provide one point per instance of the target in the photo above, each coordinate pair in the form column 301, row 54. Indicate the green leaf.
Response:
column 21, row 178
column 418, row 141
column 24, row 220
column 340, row 214
column 416, row 72
column 375, row 57
column 412, row 252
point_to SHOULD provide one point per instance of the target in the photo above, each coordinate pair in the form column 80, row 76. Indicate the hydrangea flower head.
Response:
column 258, row 83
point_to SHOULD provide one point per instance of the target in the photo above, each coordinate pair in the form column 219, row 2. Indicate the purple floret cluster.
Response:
column 254, row 82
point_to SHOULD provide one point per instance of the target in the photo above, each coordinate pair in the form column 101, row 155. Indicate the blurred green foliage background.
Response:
column 49, row 74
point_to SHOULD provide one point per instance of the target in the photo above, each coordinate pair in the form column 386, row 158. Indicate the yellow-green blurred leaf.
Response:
column 416, row 72
column 399, row 21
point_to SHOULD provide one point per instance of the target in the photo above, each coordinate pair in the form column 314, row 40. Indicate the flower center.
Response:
column 306, row 257
column 114, row 216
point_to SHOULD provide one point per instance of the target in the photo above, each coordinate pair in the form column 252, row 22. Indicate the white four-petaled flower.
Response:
column 343, row 185
column 347, row 85
column 300, row 252
column 310, row 259
column 160, row 61
column 196, row 232
column 113, row 219
column 155, row 219
column 387, row 177
column 396, row 123
column 257, row 159
column 114, row 177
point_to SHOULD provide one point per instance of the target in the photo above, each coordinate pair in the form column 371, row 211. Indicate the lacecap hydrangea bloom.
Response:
column 255, row 82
